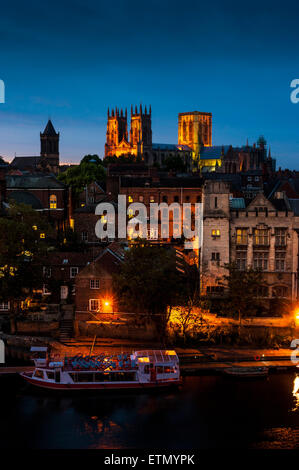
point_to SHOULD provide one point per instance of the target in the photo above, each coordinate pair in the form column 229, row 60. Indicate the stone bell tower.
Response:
column 49, row 140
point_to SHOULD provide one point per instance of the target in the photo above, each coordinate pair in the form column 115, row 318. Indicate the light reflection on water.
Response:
column 296, row 392
column 208, row 412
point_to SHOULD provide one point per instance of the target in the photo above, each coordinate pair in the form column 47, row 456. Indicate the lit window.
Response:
column 94, row 283
column 74, row 271
column 241, row 236
column 94, row 305
column 42, row 235
column 34, row 227
column 140, row 198
column 53, row 201
column 4, row 306
column 152, row 198
column 130, row 199
column 215, row 232
column 261, row 237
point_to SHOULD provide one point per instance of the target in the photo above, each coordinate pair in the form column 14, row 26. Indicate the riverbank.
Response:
column 193, row 361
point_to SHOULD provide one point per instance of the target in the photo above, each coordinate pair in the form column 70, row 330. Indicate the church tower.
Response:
column 117, row 132
column 141, row 130
column 195, row 130
column 49, row 140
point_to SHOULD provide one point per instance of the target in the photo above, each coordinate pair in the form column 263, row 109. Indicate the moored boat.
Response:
column 140, row 370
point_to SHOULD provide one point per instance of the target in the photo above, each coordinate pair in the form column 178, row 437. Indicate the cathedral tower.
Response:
column 117, row 132
column 49, row 140
column 195, row 130
column 141, row 130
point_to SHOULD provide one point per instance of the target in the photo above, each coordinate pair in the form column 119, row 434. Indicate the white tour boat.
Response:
column 140, row 370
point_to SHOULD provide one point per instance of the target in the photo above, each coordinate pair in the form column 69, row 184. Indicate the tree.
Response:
column 149, row 281
column 25, row 237
column 126, row 159
column 243, row 297
column 175, row 163
column 77, row 177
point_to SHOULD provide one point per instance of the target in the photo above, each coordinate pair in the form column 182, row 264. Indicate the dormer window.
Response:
column 53, row 201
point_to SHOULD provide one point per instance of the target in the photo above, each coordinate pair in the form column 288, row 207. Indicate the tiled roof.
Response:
column 22, row 163
column 24, row 197
column 73, row 258
column 31, row 181
column 171, row 147
column 237, row 203
column 216, row 151
column 49, row 129
column 294, row 203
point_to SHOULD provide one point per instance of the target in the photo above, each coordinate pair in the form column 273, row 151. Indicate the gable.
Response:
column 259, row 201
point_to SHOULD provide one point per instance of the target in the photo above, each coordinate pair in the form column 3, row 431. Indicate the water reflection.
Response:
column 296, row 393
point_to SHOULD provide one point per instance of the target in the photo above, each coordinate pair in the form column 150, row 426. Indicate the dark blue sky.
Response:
column 70, row 60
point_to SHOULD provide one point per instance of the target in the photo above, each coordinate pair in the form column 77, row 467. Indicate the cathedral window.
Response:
column 184, row 131
column 53, row 201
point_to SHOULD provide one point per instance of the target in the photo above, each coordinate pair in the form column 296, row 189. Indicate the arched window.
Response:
column 53, row 201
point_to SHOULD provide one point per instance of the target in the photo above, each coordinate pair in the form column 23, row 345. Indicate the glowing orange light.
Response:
column 106, row 303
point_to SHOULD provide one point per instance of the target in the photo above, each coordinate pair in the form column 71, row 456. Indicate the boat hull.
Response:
column 43, row 384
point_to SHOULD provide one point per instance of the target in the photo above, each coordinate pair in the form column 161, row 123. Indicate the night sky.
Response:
column 70, row 60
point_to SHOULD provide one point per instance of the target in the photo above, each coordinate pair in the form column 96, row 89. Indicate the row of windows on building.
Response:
column 260, row 260
column 264, row 291
column 260, row 236
column 165, row 198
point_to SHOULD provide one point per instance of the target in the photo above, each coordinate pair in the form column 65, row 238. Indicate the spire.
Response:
column 121, row 112
column 247, row 142
column 112, row 113
column 140, row 108
column 150, row 110
column 145, row 110
column 135, row 109
column 131, row 110
column 108, row 113
column 269, row 153
column 126, row 113
column 49, row 129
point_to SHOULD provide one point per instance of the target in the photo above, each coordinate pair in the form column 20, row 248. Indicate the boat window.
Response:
column 39, row 374
column 57, row 376
column 146, row 369
column 50, row 375
column 160, row 369
column 85, row 377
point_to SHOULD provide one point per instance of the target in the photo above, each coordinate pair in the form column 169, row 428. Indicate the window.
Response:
column 241, row 260
column 130, row 199
column 176, row 198
column 84, row 236
column 47, row 271
column 215, row 233
column 260, row 260
column 279, row 261
column 187, row 199
column 280, row 237
column 241, row 236
column 4, row 306
column 216, row 202
column 215, row 256
column 280, row 291
column 263, row 291
column 198, row 199
column 256, row 178
column 152, row 198
column 53, row 201
column 94, row 305
column 164, row 198
column 140, row 198
column 214, row 289
column 261, row 237
column 94, row 283
column 74, row 271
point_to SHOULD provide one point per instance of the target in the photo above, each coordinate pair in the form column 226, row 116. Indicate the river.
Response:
column 207, row 412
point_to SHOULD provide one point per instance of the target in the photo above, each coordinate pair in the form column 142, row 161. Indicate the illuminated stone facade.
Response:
column 262, row 233
column 195, row 130
column 117, row 142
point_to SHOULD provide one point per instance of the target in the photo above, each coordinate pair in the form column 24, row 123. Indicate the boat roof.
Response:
column 157, row 355
column 38, row 349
